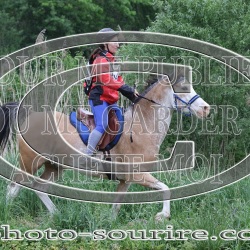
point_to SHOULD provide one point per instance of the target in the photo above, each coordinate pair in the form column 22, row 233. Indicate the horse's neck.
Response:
column 158, row 117
column 150, row 121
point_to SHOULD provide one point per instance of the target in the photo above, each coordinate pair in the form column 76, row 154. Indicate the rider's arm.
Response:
column 102, row 69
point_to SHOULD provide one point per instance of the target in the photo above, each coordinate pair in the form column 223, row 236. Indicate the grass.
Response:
column 227, row 208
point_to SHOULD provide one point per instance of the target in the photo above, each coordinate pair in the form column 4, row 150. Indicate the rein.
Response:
column 150, row 100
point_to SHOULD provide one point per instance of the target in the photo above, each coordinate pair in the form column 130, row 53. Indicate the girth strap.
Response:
column 107, row 157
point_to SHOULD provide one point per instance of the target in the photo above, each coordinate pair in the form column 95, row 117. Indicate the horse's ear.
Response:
column 151, row 80
column 165, row 80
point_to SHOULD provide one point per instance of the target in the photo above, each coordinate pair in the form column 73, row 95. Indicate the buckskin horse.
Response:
column 162, row 93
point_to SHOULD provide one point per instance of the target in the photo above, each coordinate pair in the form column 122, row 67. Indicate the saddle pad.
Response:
column 84, row 131
column 80, row 127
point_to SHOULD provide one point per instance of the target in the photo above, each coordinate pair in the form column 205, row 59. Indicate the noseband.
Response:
column 186, row 104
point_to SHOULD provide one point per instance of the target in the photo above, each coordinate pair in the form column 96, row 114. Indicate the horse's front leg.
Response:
column 147, row 180
column 123, row 187
column 165, row 213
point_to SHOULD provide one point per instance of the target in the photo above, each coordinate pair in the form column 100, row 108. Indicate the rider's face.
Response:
column 113, row 45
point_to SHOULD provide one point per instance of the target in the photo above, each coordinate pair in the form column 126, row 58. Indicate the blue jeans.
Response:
column 100, row 115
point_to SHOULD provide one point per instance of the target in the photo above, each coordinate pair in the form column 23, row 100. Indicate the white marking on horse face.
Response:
column 199, row 107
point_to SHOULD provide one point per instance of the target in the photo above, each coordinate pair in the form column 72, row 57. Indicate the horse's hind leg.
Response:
column 51, row 173
column 19, row 176
column 12, row 191
column 47, row 202
column 30, row 162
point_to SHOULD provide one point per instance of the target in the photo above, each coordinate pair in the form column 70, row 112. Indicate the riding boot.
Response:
column 94, row 138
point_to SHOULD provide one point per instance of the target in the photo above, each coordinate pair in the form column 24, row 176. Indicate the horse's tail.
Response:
column 8, row 113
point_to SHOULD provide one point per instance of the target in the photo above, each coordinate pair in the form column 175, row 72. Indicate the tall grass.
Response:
column 224, row 209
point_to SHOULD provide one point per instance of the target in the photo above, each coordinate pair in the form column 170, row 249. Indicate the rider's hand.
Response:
column 136, row 93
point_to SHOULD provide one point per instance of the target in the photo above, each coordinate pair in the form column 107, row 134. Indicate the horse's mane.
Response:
column 151, row 83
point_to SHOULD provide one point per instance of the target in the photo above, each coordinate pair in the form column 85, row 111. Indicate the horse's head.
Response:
column 187, row 100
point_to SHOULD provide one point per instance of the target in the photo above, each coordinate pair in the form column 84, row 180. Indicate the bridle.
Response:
column 176, row 107
column 176, row 99
column 186, row 104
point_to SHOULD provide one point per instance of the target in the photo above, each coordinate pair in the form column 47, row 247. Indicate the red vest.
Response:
column 109, row 80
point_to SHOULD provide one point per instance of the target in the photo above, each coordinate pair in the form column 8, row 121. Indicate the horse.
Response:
column 169, row 96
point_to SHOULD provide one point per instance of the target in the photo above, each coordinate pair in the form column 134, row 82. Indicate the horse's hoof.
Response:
column 162, row 216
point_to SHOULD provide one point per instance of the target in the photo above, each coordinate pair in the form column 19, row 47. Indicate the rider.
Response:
column 105, row 85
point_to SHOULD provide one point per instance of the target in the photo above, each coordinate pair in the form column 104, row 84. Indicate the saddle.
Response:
column 87, row 118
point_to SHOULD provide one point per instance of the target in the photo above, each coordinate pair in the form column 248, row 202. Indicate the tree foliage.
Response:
column 61, row 17
column 224, row 23
column 10, row 37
